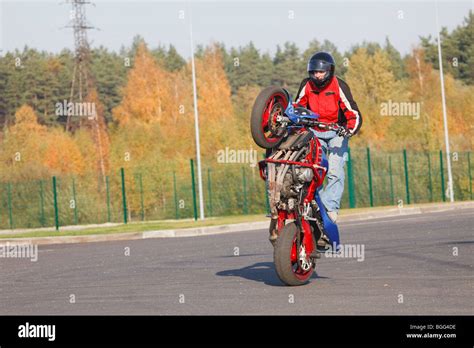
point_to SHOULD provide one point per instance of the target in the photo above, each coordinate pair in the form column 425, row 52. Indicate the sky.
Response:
column 42, row 24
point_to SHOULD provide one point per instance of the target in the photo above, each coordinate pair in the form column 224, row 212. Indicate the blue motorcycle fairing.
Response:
column 331, row 228
column 324, row 161
column 294, row 115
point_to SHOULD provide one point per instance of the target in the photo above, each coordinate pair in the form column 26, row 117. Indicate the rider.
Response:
column 330, row 97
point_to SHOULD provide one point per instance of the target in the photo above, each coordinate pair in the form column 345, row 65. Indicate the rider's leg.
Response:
column 332, row 193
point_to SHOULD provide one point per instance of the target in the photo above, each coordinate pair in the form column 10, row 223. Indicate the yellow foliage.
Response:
column 372, row 83
column 31, row 151
column 62, row 155
column 23, row 143
column 26, row 121
column 216, row 113
column 146, row 96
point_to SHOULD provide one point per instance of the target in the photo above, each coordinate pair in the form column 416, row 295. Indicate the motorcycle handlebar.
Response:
column 322, row 125
column 311, row 123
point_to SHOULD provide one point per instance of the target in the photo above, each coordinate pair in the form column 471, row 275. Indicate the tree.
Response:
column 397, row 65
column 289, row 68
column 174, row 61
column 109, row 72
column 216, row 112
column 62, row 155
column 246, row 67
column 457, row 49
column 146, row 96
column 372, row 84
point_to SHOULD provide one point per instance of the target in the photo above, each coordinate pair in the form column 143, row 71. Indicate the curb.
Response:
column 241, row 227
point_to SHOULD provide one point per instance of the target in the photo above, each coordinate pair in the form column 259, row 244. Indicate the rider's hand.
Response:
column 344, row 132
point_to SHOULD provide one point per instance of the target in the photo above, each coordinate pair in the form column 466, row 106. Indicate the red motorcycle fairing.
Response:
column 315, row 159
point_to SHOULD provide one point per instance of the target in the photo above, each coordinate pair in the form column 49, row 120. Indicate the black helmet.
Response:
column 321, row 61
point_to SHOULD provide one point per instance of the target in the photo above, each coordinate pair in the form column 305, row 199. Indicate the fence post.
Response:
column 443, row 194
column 176, row 212
column 10, row 209
column 194, row 190
column 107, row 189
column 55, row 201
column 209, row 190
column 407, row 185
column 124, row 197
column 42, row 219
column 350, row 177
column 369, row 173
column 244, row 190
column 142, row 205
column 392, row 194
column 74, row 199
column 429, row 177
column 470, row 175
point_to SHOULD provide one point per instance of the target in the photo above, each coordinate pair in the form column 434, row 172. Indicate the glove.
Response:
column 344, row 132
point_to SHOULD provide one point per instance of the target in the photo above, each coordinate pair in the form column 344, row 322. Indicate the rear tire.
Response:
column 284, row 267
column 272, row 101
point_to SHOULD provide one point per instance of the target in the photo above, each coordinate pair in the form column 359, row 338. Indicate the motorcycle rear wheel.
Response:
column 269, row 104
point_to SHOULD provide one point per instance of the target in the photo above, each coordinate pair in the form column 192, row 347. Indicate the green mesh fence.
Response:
column 373, row 178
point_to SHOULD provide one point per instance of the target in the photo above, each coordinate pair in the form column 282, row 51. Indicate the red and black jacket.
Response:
column 334, row 103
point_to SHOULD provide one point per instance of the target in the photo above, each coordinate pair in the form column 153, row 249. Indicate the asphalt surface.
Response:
column 425, row 260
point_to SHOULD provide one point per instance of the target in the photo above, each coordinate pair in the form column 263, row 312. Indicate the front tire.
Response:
column 286, row 264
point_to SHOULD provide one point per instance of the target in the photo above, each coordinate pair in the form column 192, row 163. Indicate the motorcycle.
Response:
column 294, row 170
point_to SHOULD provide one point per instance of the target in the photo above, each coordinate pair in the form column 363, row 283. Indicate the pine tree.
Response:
column 457, row 49
column 289, row 69
column 109, row 71
column 397, row 65
column 174, row 61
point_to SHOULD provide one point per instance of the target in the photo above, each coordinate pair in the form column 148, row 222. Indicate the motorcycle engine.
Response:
column 289, row 180
column 294, row 180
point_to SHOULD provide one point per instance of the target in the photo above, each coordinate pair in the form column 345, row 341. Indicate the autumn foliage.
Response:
column 151, row 125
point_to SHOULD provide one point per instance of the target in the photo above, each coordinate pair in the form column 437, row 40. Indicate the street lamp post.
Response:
column 196, row 126
column 445, row 119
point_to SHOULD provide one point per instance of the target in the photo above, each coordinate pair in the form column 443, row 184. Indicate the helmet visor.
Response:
column 318, row 65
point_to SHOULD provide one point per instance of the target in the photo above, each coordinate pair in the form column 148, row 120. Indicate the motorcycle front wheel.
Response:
column 285, row 256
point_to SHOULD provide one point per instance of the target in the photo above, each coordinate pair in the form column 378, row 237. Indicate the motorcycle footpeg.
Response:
column 323, row 241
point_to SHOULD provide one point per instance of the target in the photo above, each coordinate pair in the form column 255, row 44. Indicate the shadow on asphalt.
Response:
column 263, row 272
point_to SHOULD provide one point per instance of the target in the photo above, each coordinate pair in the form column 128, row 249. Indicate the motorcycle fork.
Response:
column 305, row 225
column 304, row 228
